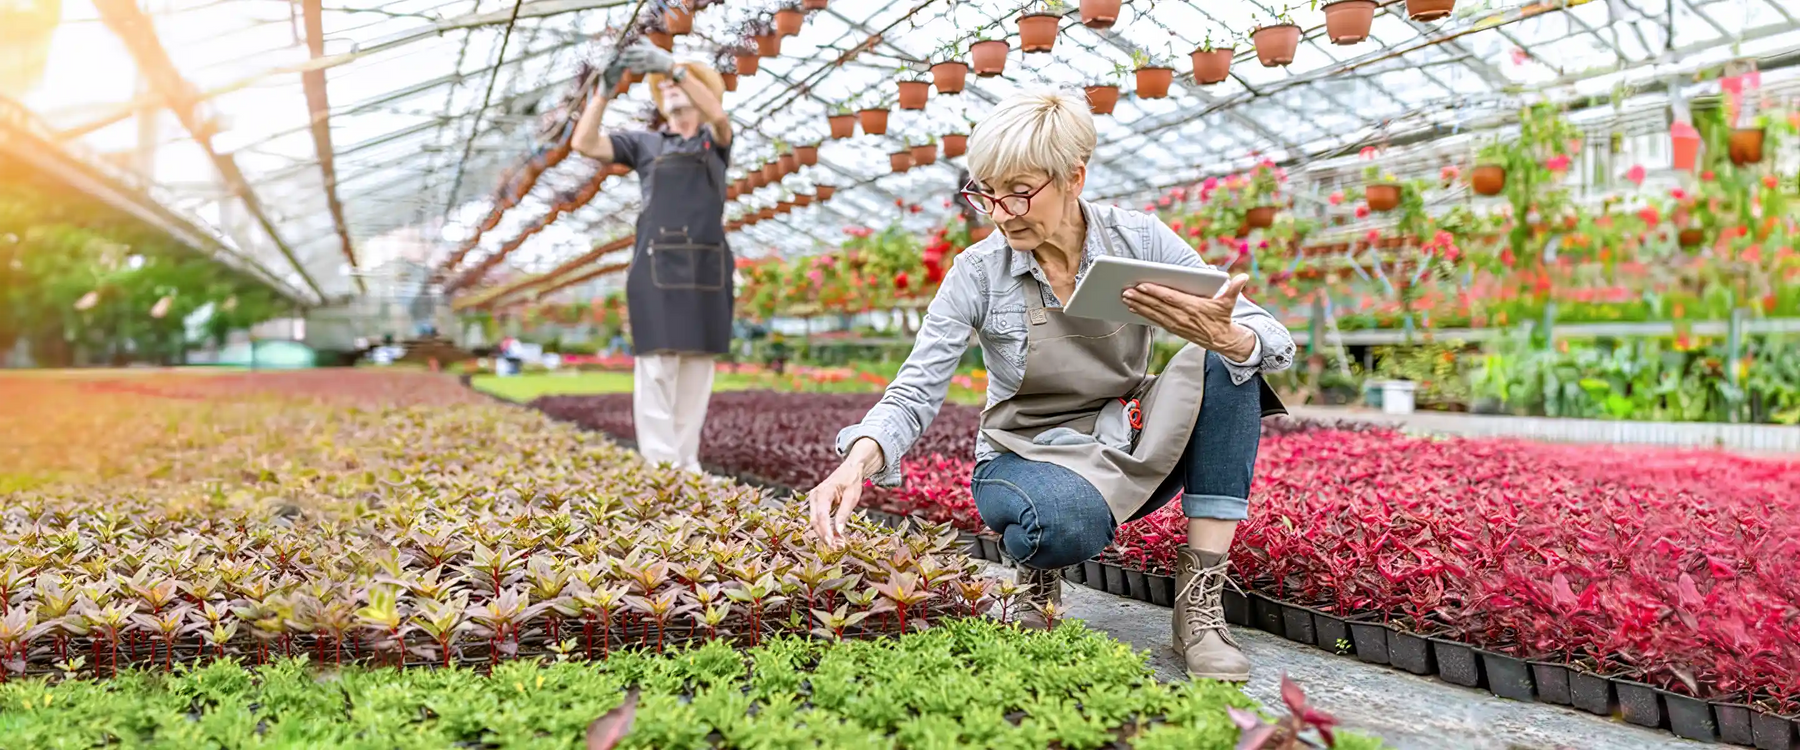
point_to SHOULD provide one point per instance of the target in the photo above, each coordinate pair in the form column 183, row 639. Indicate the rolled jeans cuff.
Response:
column 1218, row 507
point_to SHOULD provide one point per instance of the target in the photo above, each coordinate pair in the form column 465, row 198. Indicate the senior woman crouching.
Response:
column 1059, row 462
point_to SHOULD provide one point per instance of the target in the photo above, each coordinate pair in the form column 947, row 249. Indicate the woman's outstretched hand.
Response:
column 1206, row 321
column 836, row 498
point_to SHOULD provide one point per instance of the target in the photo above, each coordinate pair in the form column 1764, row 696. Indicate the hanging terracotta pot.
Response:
column 730, row 80
column 1691, row 236
column 1212, row 66
column 617, row 170
column 1153, row 82
column 771, row 172
column 747, row 64
column 1684, row 142
column 825, row 191
column 768, row 45
column 766, row 213
column 1260, row 217
column 815, row 4
column 1099, row 14
column 913, row 94
column 756, row 178
column 873, row 121
column 900, row 161
column 1383, row 196
column 788, row 21
column 662, row 39
column 924, row 155
column 678, row 19
column 950, row 76
column 1488, row 179
column 1429, row 10
column 1243, row 229
column 732, row 192
column 1275, row 45
column 790, row 163
column 988, row 58
column 1037, row 32
column 1348, row 21
column 955, row 145
column 803, row 199
column 808, row 155
column 784, row 207
column 1746, row 146
column 1102, row 99
column 842, row 126
column 980, row 232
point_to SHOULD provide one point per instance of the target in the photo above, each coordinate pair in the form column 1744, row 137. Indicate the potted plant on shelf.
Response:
column 678, row 18
column 842, row 121
column 1154, row 75
column 1348, row 21
column 988, row 56
column 951, row 74
column 1103, row 92
column 924, row 150
column 788, row 20
column 1489, row 175
column 1429, row 10
column 914, row 90
column 1099, row 14
column 1037, row 28
column 1276, row 42
column 1212, row 64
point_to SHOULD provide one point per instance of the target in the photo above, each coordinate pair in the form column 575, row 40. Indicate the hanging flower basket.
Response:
column 842, row 126
column 1488, row 179
column 1348, row 21
column 768, row 45
column 1275, row 45
column 825, row 191
column 988, row 58
column 784, row 207
column 1746, row 146
column 790, row 163
column 732, row 192
column 766, row 214
column 1099, row 14
column 662, row 39
column 678, row 19
column 873, row 121
column 1153, row 82
column 755, row 176
column 955, row 145
column 1212, row 66
column 1102, row 99
column 730, row 80
column 808, row 155
column 788, row 21
column 913, row 94
column 1037, row 31
column 771, row 172
column 1260, row 217
column 1429, row 10
column 924, row 155
column 900, row 161
column 747, row 64
column 950, row 76
column 1383, row 196
column 1684, row 142
column 815, row 4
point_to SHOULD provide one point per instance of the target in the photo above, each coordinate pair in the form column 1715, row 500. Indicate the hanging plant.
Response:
column 988, row 57
column 874, row 120
column 678, row 19
column 815, row 4
column 747, row 62
column 1489, row 176
column 950, row 76
column 956, row 144
column 1429, row 10
column 825, row 191
column 1102, row 97
column 1154, row 75
column 771, row 172
column 842, row 122
column 924, row 152
column 1037, row 29
column 1099, row 14
column 1383, row 196
column 1212, row 64
column 762, row 33
column 900, row 161
column 808, row 155
column 1746, row 145
column 790, row 163
column 730, row 80
column 1277, row 42
column 662, row 39
column 914, row 92
column 788, row 21
column 1348, row 21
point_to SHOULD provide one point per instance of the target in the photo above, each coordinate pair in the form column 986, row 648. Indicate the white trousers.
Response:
column 669, row 397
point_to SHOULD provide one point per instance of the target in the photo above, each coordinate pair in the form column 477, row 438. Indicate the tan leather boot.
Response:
column 1201, row 636
column 1042, row 587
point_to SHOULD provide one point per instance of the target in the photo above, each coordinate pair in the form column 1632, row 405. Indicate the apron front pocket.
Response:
column 689, row 266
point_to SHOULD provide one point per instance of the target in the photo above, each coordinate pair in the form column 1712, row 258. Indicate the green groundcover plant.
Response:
column 971, row 682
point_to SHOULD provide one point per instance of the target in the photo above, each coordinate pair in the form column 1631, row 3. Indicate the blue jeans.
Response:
column 1049, row 517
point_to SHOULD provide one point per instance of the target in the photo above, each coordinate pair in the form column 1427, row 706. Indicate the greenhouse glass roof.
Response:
column 428, row 104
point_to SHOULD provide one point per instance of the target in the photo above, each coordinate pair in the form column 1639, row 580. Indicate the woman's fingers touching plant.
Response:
column 1205, row 321
column 834, row 500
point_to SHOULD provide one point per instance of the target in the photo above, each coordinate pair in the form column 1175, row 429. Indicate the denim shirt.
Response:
column 983, row 294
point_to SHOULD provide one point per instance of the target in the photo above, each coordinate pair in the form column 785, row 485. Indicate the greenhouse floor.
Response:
column 1406, row 711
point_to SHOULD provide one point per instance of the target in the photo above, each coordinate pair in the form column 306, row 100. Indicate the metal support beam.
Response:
column 319, row 106
column 139, row 35
column 487, row 99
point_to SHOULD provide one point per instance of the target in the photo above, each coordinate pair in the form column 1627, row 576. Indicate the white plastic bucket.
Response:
column 1397, row 396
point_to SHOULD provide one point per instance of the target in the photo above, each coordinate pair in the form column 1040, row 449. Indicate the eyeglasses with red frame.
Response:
column 1015, row 204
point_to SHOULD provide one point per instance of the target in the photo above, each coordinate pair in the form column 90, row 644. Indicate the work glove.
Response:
column 609, row 79
column 644, row 57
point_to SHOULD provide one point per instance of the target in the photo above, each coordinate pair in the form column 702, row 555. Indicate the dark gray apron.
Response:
column 680, row 287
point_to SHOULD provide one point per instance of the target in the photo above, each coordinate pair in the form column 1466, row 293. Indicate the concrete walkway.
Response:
column 1406, row 711
column 1759, row 439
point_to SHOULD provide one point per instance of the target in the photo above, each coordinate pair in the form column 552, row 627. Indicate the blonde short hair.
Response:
column 708, row 77
column 1049, row 132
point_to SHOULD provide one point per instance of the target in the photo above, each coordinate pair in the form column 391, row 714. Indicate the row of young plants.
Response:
column 1661, row 567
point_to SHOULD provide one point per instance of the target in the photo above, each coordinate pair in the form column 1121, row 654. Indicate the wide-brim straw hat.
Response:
column 706, row 75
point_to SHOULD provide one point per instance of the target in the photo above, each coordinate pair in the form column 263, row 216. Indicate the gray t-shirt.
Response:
column 638, row 149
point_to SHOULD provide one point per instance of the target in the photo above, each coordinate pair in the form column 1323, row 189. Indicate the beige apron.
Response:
column 1073, row 368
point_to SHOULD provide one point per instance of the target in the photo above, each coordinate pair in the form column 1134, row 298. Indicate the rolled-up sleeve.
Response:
column 918, row 391
column 1274, row 349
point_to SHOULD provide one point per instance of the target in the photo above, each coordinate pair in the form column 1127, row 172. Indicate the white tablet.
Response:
column 1100, row 291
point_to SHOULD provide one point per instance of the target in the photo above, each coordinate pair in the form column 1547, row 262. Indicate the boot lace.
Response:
column 1200, row 600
